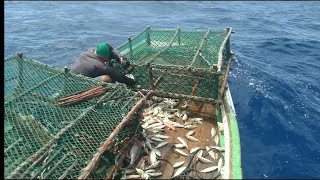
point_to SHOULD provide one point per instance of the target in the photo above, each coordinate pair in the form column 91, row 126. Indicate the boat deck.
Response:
column 202, row 133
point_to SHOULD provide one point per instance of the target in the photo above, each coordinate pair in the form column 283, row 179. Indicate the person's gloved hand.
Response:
column 125, row 63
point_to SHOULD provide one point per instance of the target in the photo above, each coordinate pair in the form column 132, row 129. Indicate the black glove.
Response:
column 125, row 64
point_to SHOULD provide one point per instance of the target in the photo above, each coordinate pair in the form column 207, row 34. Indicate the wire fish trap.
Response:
column 47, row 141
column 180, row 64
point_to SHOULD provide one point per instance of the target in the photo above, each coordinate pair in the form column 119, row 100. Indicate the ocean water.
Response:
column 275, row 77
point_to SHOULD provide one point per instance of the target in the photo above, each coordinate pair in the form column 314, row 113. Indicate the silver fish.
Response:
column 129, row 171
column 185, row 117
column 182, row 141
column 191, row 138
column 198, row 121
column 159, row 128
column 209, row 169
column 190, row 126
column 221, row 149
column 142, row 164
column 211, row 153
column 178, row 164
column 148, row 144
column 179, row 146
column 213, row 132
column 161, row 136
column 175, row 124
column 194, row 150
column 199, row 154
column 181, row 152
column 216, row 139
column 154, row 165
column 171, row 116
column 179, row 171
column 142, row 173
column 155, row 174
column 158, row 153
column 134, row 152
column 190, row 133
column 150, row 171
column 156, row 139
column 220, row 164
column 133, row 176
column 220, row 126
column 154, row 125
column 153, row 157
column 204, row 160
column 161, row 144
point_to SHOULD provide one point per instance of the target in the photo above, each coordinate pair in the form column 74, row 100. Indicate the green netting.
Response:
column 44, row 140
column 177, row 62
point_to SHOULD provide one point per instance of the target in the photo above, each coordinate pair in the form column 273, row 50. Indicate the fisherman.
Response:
column 96, row 62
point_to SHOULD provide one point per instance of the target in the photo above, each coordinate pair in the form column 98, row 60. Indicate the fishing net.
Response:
column 179, row 64
column 43, row 140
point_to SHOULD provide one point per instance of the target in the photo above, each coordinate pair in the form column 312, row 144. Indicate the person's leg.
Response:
column 106, row 78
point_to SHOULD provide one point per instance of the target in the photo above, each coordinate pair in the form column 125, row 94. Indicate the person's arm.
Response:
column 117, row 76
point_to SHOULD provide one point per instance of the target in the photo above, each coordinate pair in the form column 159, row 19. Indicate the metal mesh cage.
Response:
column 179, row 63
column 44, row 140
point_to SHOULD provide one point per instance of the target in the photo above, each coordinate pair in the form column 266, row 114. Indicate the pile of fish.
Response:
column 160, row 114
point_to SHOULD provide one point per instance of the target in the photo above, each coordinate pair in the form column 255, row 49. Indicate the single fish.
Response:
column 216, row 139
column 213, row 132
column 190, row 126
column 161, row 136
column 148, row 144
column 182, row 141
column 185, row 117
column 204, row 160
column 150, row 171
column 142, row 164
column 171, row 116
column 129, row 171
column 158, row 153
column 153, row 157
column 191, row 138
column 181, row 152
column 142, row 174
column 194, row 150
column 178, row 164
column 145, row 125
column 220, row 164
column 154, row 165
column 161, row 144
column 179, row 146
column 211, row 153
column 220, row 126
column 199, row 154
column 155, row 174
column 221, row 149
column 154, row 125
column 170, row 126
column 134, row 152
column 179, row 171
column 198, row 121
column 175, row 124
column 159, row 128
column 156, row 139
column 190, row 133
column 209, row 169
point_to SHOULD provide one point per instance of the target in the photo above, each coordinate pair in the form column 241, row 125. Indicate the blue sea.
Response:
column 275, row 81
